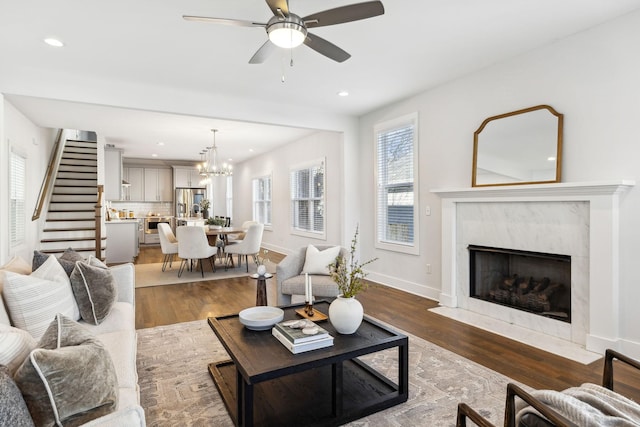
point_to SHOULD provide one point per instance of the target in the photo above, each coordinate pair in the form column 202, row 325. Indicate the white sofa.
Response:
column 117, row 333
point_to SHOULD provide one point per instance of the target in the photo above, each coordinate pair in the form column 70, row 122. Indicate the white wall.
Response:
column 327, row 145
column 592, row 78
column 35, row 143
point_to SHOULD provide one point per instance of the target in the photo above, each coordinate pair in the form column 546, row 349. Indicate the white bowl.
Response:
column 261, row 318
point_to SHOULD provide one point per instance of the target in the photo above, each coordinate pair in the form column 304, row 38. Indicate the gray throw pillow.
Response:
column 70, row 379
column 95, row 291
column 13, row 409
column 67, row 260
column 38, row 259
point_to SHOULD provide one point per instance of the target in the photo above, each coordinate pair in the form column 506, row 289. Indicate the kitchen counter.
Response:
column 190, row 220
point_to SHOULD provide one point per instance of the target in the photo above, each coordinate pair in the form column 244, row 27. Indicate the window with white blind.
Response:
column 262, row 200
column 307, row 199
column 229, row 197
column 397, row 184
column 17, row 212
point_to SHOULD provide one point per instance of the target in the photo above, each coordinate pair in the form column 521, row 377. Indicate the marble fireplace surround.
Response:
column 576, row 219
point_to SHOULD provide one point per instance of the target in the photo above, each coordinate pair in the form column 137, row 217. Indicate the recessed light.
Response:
column 343, row 93
column 551, row 159
column 53, row 42
column 161, row 143
column 154, row 155
column 251, row 150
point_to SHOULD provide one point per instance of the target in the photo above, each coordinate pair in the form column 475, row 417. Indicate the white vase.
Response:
column 346, row 314
column 262, row 270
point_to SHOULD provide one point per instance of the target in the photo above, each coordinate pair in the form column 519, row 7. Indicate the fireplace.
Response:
column 535, row 282
column 580, row 220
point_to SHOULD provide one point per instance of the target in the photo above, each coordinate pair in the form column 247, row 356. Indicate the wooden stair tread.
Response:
column 52, row 230
column 70, row 219
column 71, row 239
column 73, row 194
column 60, row 251
column 71, row 201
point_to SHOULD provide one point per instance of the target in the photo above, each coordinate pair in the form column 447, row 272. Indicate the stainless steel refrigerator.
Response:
column 188, row 201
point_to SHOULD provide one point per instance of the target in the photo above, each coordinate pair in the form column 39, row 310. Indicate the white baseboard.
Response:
column 406, row 286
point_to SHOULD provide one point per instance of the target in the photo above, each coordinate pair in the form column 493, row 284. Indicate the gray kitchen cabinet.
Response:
column 157, row 185
column 135, row 177
column 184, row 176
column 113, row 174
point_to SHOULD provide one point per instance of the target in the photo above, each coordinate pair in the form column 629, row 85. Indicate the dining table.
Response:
column 222, row 233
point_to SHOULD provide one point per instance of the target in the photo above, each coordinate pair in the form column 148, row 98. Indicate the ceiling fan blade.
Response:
column 263, row 53
column 236, row 22
column 340, row 15
column 283, row 5
column 326, row 48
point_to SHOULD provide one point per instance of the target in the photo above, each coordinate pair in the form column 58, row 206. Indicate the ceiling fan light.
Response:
column 287, row 34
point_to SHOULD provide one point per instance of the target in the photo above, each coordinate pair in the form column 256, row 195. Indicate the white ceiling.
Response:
column 138, row 74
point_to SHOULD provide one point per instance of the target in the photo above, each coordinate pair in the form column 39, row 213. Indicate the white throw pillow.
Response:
column 17, row 265
column 15, row 346
column 33, row 301
column 317, row 262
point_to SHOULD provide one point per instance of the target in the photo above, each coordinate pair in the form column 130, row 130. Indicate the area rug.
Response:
column 176, row 388
column 152, row 274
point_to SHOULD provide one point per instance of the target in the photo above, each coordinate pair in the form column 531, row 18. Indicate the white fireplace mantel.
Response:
column 602, row 330
column 542, row 191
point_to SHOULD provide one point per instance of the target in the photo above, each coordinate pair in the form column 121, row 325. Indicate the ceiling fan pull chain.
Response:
column 282, row 68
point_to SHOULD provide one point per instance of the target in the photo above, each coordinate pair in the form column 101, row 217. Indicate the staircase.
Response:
column 71, row 215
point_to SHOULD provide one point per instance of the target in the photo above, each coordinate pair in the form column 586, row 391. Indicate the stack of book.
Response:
column 298, row 342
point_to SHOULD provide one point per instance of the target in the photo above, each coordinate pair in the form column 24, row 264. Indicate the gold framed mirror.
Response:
column 521, row 147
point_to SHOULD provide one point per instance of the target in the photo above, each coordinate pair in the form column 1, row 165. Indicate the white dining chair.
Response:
column 168, row 244
column 250, row 245
column 194, row 245
column 237, row 238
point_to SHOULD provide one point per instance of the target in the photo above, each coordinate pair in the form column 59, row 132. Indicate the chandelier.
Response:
column 209, row 166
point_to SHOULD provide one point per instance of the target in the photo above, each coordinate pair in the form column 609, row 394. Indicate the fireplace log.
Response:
column 550, row 290
column 509, row 282
column 525, row 286
column 542, row 285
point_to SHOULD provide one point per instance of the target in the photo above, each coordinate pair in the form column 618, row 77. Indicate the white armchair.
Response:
column 250, row 245
column 290, row 280
column 193, row 244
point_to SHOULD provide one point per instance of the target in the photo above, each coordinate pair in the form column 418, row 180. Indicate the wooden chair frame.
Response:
column 466, row 412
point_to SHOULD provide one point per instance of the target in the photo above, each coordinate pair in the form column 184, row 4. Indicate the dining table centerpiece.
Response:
column 215, row 223
column 346, row 312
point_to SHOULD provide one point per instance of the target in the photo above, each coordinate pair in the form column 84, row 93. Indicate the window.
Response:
column 307, row 199
column 230, row 197
column 262, row 200
column 17, row 213
column 396, row 172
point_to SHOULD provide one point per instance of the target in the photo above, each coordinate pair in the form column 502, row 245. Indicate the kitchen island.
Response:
column 122, row 241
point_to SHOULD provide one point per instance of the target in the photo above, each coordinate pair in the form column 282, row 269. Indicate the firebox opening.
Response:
column 536, row 282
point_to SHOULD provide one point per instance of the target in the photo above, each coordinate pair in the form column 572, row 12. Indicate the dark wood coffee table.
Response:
column 265, row 385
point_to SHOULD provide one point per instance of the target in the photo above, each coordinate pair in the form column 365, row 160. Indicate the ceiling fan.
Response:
column 288, row 30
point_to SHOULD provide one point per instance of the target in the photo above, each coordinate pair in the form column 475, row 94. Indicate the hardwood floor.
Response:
column 162, row 305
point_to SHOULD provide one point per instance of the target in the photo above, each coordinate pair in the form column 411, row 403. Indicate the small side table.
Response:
column 261, row 288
